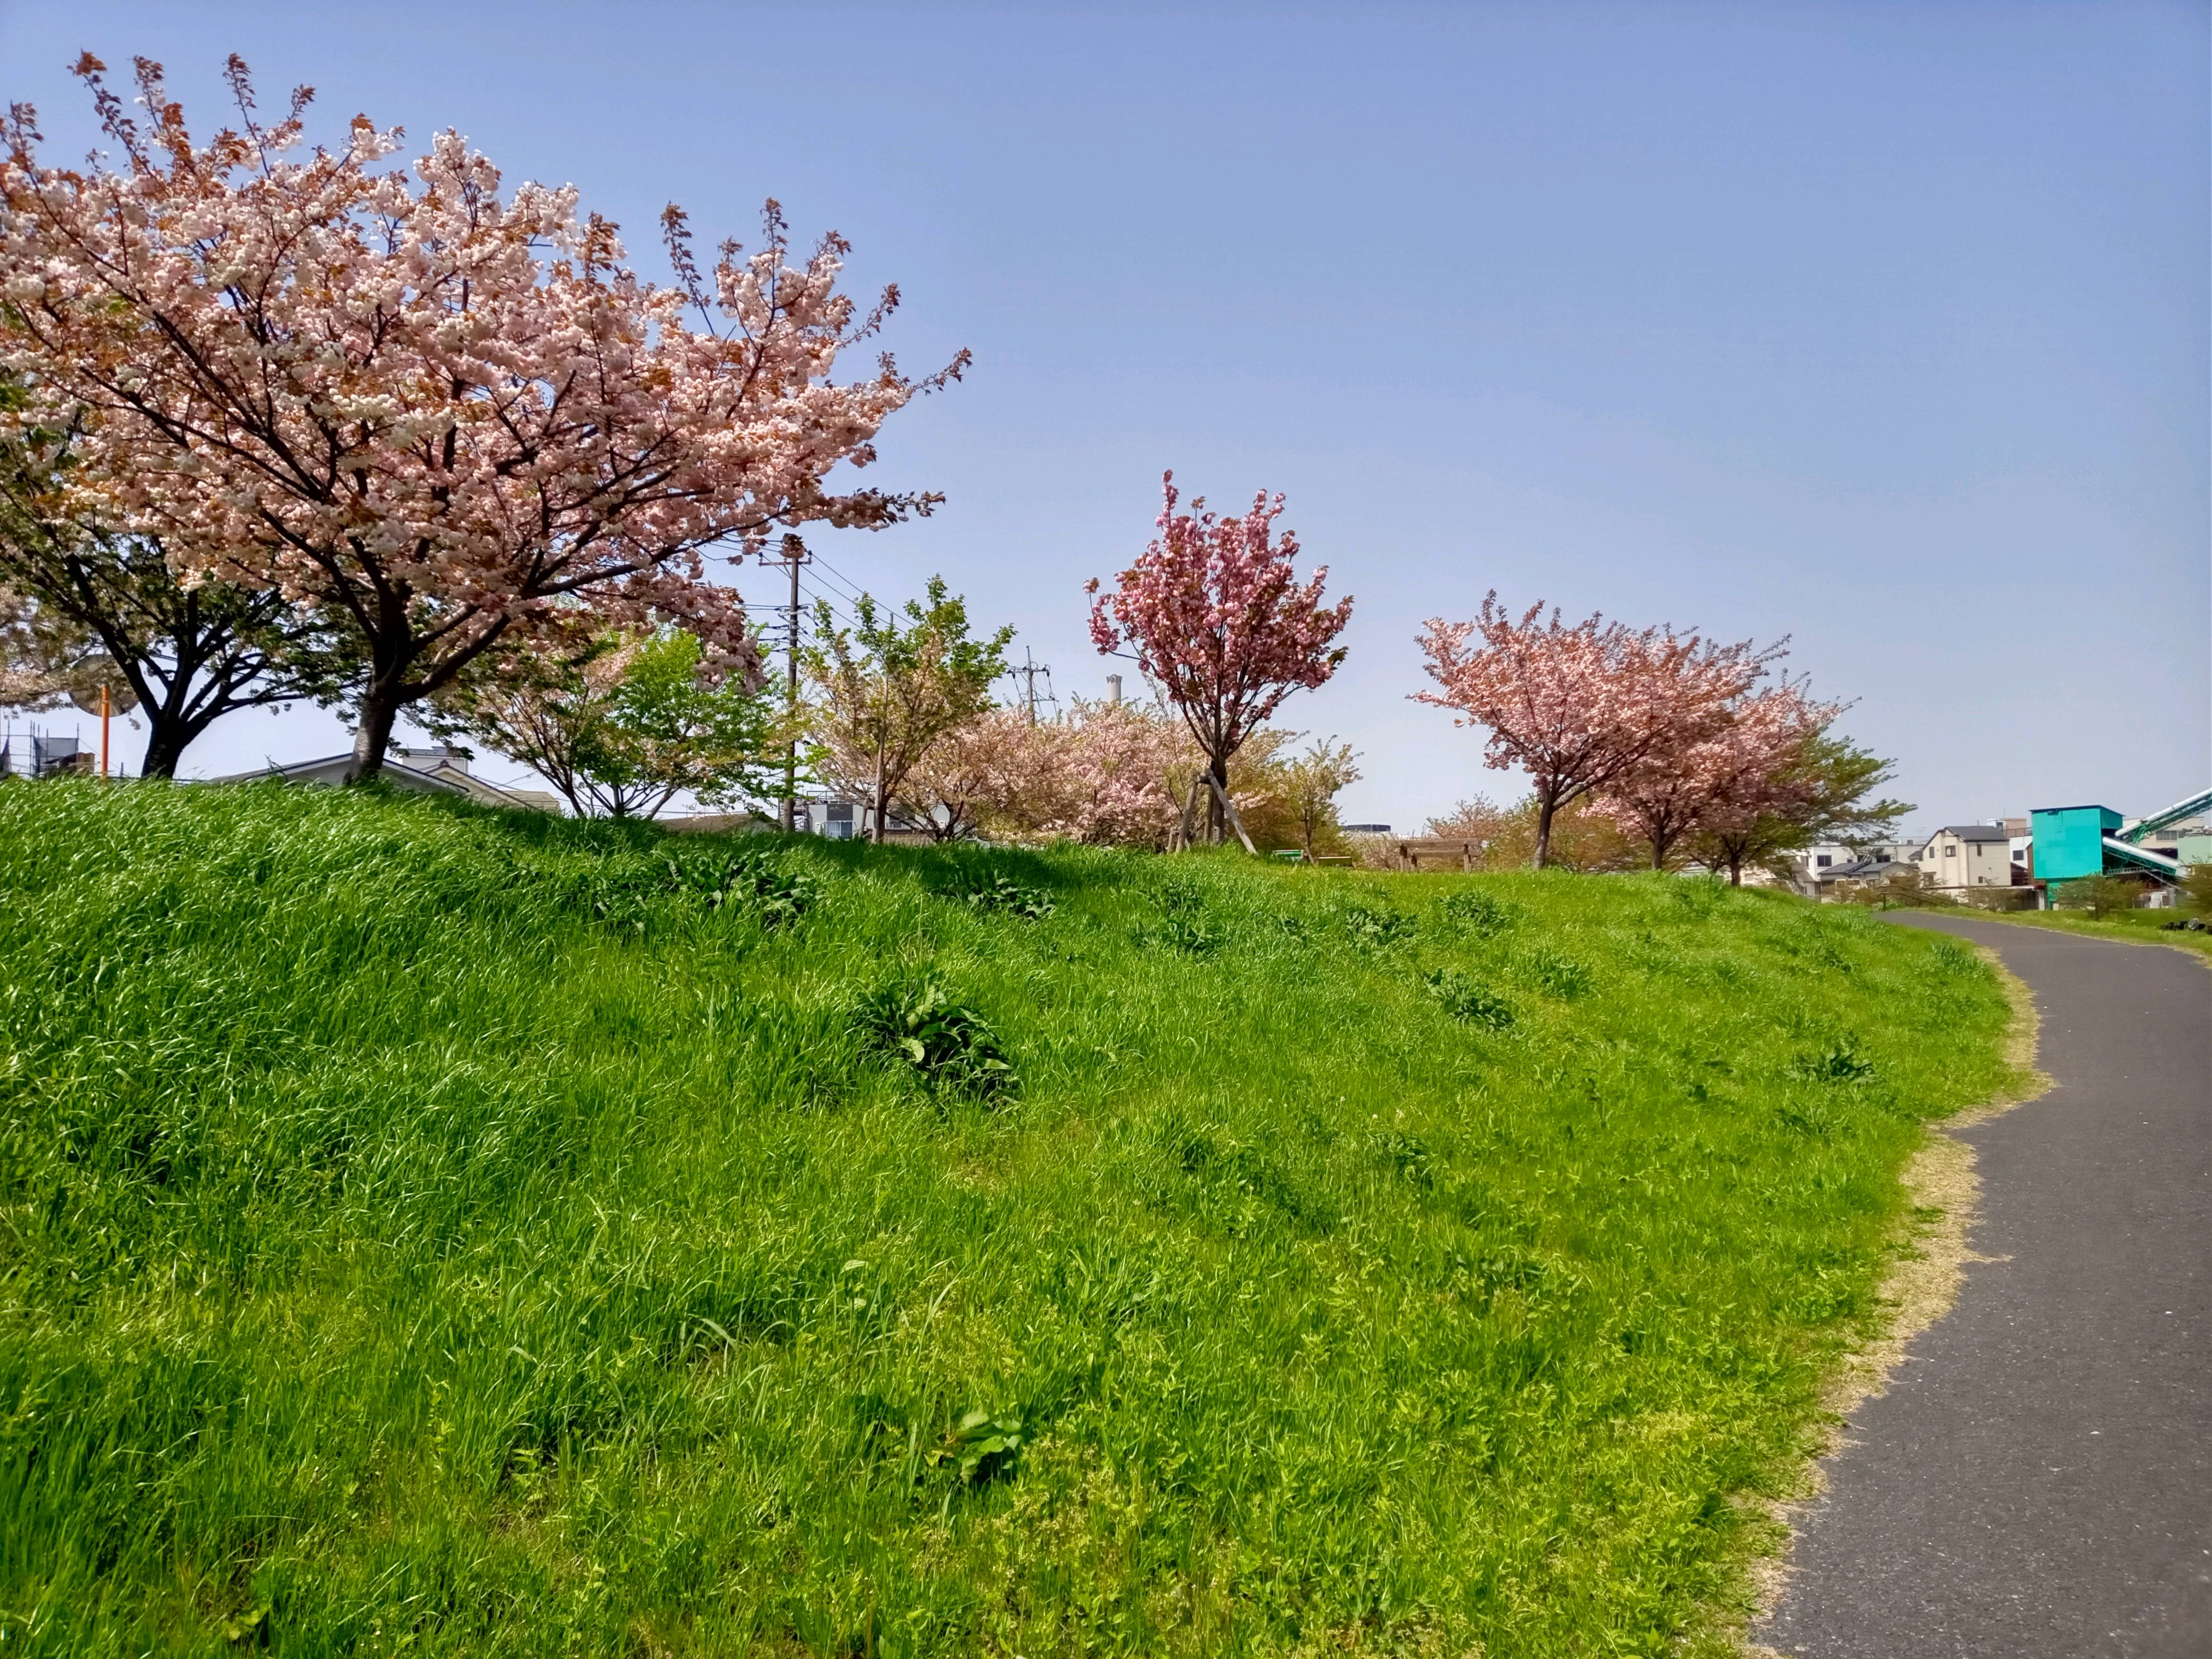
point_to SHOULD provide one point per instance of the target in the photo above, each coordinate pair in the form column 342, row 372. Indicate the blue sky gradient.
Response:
column 1880, row 326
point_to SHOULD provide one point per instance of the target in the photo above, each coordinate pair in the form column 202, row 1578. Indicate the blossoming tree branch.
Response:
column 438, row 415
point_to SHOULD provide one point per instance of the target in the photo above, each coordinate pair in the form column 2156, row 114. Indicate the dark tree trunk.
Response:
column 171, row 722
column 165, row 746
column 1546, row 808
column 1217, row 821
column 392, row 650
column 380, row 711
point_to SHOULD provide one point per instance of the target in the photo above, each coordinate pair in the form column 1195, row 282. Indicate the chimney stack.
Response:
column 1113, row 688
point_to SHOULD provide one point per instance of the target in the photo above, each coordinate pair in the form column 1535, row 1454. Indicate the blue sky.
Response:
column 1880, row 326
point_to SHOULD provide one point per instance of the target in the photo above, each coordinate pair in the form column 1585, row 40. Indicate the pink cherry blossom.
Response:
column 440, row 415
column 1721, row 782
column 1221, row 623
column 1578, row 706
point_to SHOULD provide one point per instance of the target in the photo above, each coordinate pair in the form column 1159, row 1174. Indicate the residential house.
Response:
column 1814, row 869
column 437, row 770
column 1822, row 883
column 1962, row 856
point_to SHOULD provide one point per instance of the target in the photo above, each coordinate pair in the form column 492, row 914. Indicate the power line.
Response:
column 852, row 589
column 1028, row 670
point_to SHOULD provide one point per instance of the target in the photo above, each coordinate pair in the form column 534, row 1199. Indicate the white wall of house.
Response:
column 1951, row 859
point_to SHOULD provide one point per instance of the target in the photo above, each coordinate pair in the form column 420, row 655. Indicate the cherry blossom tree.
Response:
column 1123, row 759
column 1108, row 772
column 1660, row 802
column 1721, row 784
column 1577, row 706
column 995, row 772
column 1793, row 782
column 432, row 413
column 100, row 606
column 1745, row 772
column 1220, row 622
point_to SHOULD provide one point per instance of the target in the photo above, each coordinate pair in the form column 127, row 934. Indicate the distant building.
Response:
column 838, row 820
column 2076, row 842
column 1364, row 829
column 1822, row 882
column 33, row 755
column 1814, row 869
column 438, row 770
column 1962, row 856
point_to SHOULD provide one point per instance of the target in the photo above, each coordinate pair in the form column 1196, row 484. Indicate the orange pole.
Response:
column 103, row 728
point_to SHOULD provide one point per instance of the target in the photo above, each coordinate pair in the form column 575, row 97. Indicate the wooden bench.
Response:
column 1436, row 852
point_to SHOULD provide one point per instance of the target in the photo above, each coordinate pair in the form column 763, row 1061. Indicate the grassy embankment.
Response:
column 423, row 1231
column 2138, row 927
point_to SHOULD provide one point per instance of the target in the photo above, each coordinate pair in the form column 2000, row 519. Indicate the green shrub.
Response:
column 2197, row 888
column 2100, row 895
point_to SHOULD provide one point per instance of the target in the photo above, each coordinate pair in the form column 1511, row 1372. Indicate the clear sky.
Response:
column 1881, row 326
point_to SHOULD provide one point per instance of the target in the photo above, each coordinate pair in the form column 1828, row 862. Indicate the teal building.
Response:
column 2070, row 841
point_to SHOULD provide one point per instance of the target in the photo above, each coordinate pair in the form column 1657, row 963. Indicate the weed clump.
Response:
column 1183, row 924
column 1004, row 895
column 947, row 1042
column 1470, row 910
column 1467, row 1001
column 982, row 1447
column 1554, row 974
column 1840, row 1062
column 1374, row 929
column 634, row 893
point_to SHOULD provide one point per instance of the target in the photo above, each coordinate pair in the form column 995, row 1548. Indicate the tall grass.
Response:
column 431, row 1231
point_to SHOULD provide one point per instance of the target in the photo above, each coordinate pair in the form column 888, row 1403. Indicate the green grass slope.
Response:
column 426, row 1232
column 2131, row 926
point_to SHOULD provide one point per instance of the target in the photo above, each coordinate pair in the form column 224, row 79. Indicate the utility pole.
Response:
column 794, row 554
column 1029, row 669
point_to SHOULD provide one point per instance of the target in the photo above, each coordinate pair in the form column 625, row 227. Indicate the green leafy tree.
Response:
column 892, row 686
column 2197, row 888
column 1310, row 784
column 623, row 726
column 2100, row 895
column 1835, row 800
column 1581, row 839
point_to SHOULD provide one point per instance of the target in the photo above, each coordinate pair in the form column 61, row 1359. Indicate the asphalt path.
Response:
column 2037, row 1480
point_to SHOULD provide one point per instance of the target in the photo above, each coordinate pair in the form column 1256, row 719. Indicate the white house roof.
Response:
column 442, row 776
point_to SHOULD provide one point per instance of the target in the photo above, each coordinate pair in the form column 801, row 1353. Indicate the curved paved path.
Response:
column 2038, row 1480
